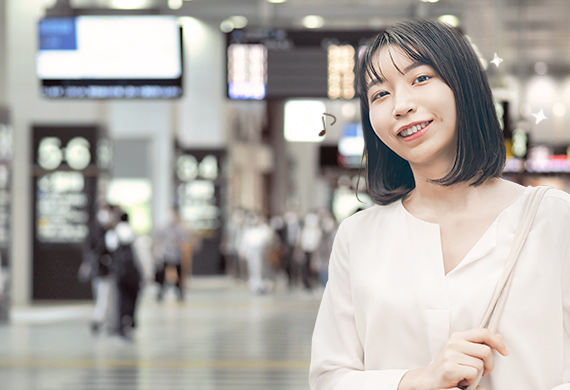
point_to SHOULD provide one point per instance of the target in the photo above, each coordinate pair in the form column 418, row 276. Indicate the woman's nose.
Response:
column 404, row 104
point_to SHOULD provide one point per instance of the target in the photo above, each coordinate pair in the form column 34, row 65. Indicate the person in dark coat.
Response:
column 126, row 269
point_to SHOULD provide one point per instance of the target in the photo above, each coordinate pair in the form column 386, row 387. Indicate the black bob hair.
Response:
column 480, row 147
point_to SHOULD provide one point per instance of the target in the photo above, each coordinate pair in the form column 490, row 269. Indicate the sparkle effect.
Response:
column 496, row 60
column 539, row 116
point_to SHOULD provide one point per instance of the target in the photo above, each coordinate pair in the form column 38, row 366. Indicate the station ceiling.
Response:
column 522, row 32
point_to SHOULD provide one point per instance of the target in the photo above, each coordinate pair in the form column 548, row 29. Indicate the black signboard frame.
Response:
column 56, row 258
column 207, row 258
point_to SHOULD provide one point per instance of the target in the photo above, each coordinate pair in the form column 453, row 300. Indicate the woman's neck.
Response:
column 431, row 198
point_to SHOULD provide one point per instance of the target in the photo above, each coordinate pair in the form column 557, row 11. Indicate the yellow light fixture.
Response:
column 239, row 21
column 313, row 21
column 452, row 20
column 227, row 26
column 128, row 4
column 175, row 4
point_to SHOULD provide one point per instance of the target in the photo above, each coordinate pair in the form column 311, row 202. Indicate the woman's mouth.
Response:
column 413, row 129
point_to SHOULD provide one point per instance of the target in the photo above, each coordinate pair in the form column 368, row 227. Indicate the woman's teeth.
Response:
column 414, row 129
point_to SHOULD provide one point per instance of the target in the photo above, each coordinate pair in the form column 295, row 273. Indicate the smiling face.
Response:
column 412, row 110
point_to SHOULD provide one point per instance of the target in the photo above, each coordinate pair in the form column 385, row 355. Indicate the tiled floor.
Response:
column 221, row 337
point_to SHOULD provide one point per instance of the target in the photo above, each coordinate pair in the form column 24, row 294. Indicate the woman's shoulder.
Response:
column 365, row 218
column 555, row 193
column 556, row 201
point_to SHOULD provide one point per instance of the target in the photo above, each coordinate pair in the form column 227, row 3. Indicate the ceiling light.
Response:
column 238, row 21
column 452, row 20
column 430, row 1
column 302, row 121
column 128, row 4
column 313, row 21
column 174, row 4
column 276, row 1
column 227, row 26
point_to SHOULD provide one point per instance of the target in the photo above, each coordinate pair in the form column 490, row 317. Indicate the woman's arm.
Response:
column 337, row 359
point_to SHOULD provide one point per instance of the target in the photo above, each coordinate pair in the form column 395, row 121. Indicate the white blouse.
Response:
column 389, row 306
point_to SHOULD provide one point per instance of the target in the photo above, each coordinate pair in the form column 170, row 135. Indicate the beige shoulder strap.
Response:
column 499, row 299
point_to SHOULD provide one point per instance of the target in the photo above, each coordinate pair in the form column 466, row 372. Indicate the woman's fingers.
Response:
column 482, row 354
column 465, row 356
column 484, row 336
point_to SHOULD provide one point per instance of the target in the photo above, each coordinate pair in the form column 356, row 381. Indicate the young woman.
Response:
column 410, row 278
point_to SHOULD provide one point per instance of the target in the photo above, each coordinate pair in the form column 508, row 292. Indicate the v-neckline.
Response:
column 482, row 238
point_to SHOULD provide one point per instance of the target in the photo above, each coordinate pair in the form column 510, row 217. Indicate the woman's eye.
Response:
column 421, row 79
column 379, row 95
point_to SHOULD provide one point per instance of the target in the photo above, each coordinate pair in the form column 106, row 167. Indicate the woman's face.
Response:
column 413, row 111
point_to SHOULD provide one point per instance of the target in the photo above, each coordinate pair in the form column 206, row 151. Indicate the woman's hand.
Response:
column 459, row 363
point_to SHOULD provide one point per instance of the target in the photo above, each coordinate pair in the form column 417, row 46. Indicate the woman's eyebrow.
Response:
column 380, row 80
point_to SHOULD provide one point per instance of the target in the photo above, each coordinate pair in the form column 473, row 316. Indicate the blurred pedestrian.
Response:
column 255, row 245
column 96, row 268
column 291, row 234
column 324, row 250
column 126, row 267
column 170, row 243
column 230, row 244
column 311, row 235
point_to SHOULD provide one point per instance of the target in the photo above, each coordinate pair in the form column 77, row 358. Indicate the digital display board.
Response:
column 281, row 64
column 96, row 57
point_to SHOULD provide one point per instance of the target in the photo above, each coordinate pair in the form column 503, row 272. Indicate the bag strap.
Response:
column 499, row 299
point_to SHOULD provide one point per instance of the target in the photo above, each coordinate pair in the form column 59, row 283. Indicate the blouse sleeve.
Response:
column 337, row 357
column 566, row 318
column 566, row 303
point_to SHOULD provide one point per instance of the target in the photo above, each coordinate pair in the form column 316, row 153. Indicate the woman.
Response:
column 411, row 277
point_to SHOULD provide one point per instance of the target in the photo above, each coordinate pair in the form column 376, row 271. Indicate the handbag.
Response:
column 499, row 298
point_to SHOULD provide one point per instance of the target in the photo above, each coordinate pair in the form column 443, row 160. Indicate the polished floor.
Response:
column 221, row 337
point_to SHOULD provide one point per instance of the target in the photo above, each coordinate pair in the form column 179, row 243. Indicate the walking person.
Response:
column 291, row 235
column 412, row 277
column 128, row 275
column 255, row 246
column 323, row 253
column 96, row 268
column 169, row 244
column 311, row 235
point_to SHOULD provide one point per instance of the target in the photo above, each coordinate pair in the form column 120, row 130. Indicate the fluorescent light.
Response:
column 303, row 120
column 276, row 1
column 452, row 20
column 227, row 26
column 128, row 4
column 174, row 4
column 239, row 21
column 313, row 21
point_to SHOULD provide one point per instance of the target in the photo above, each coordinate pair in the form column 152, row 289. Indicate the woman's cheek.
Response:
column 376, row 121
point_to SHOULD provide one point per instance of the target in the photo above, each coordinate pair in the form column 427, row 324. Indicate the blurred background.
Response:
column 219, row 142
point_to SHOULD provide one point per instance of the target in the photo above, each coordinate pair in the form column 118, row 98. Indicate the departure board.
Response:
column 282, row 64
